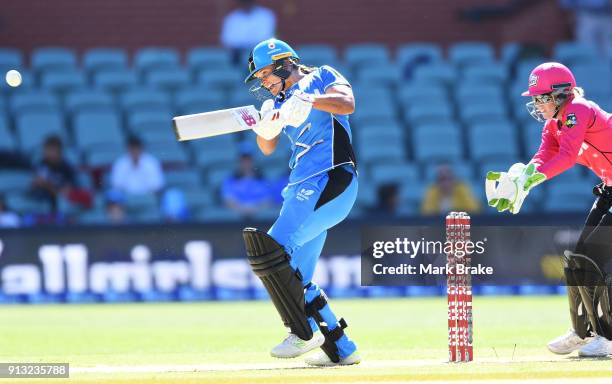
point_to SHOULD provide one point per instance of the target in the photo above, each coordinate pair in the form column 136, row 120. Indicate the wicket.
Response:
column 459, row 290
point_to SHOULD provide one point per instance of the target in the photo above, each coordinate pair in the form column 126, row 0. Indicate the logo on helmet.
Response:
column 533, row 80
column 271, row 45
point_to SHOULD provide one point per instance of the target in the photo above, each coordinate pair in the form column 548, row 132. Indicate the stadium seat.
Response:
column 148, row 58
column 568, row 197
column 596, row 79
column 524, row 68
column 10, row 58
column 372, row 107
column 392, row 132
column 220, row 78
column 24, row 205
column 239, row 96
column 469, row 92
column 97, row 59
column 423, row 92
column 200, row 99
column 443, row 129
column 137, row 204
column 168, row 79
column 379, row 150
column 218, row 214
column 428, row 147
column 103, row 157
column 357, row 55
column 493, row 142
column 415, row 54
column 483, row 111
column 486, row 73
column 471, row 52
column 34, row 127
column 318, row 54
column 168, row 152
column 15, row 181
column 115, row 80
column 143, row 122
column 63, row 81
column 218, row 150
column 136, row 100
column 7, row 139
column 89, row 100
column 208, row 58
column 429, row 113
column 183, row 178
column 532, row 137
column 34, row 101
column 53, row 58
column 27, row 83
column 198, row 198
column 573, row 52
column 93, row 129
column 510, row 53
column 401, row 172
column 436, row 73
column 380, row 74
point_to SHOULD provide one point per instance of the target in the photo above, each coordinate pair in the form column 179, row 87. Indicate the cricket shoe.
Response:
column 567, row 343
column 322, row 360
column 293, row 346
column 598, row 347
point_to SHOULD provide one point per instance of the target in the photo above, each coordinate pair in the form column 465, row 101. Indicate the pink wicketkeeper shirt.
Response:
column 582, row 134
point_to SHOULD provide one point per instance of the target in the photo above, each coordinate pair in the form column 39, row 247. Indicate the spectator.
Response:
column 246, row 191
column 448, row 194
column 137, row 172
column 388, row 199
column 56, row 178
column 246, row 26
column 593, row 22
column 8, row 218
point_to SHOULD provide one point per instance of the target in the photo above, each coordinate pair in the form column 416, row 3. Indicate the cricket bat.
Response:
column 214, row 123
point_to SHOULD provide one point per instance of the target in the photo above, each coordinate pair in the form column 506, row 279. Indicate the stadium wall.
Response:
column 186, row 23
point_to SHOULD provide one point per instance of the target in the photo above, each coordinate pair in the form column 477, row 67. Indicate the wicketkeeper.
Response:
column 310, row 106
column 576, row 130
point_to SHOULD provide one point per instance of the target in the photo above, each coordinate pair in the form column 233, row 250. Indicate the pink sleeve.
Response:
column 570, row 141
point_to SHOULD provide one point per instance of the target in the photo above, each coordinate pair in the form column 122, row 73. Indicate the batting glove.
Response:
column 297, row 108
column 271, row 124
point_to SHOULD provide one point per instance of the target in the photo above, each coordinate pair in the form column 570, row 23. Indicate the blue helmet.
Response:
column 267, row 52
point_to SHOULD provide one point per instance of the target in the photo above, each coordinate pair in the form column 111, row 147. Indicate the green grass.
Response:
column 510, row 335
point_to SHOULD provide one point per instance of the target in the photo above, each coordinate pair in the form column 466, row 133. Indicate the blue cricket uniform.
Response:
column 322, row 187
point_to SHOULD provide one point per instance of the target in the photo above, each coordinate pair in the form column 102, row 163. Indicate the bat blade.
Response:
column 214, row 123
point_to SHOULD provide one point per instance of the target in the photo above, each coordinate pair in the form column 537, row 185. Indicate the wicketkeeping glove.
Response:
column 271, row 123
column 297, row 108
column 508, row 190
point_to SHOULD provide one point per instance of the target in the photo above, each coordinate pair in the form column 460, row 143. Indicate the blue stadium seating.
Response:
column 15, row 181
column 595, row 78
column 380, row 74
column 135, row 100
column 97, row 59
column 470, row 52
column 167, row 151
column 570, row 196
column 429, row 113
column 24, row 205
column 220, row 78
column 532, row 136
column 53, row 58
column 10, row 58
column 572, row 52
column 148, row 58
column 115, row 80
column 379, row 150
column 168, row 79
column 493, row 142
column 89, row 100
column 422, row 92
column 103, row 157
column 63, row 81
column 34, row 101
column 439, row 73
column 146, row 122
column 357, row 55
column 218, row 214
column 92, row 129
column 462, row 170
column 183, row 178
column 7, row 139
column 392, row 133
column 486, row 73
column 318, row 54
column 444, row 129
column 34, row 127
column 411, row 55
column 400, row 172
column 510, row 52
column 428, row 147
column 483, row 111
column 215, row 151
column 27, row 83
column 200, row 99
column 208, row 57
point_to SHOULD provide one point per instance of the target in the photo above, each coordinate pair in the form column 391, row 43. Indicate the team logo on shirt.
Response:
column 533, row 80
column 304, row 194
column 571, row 120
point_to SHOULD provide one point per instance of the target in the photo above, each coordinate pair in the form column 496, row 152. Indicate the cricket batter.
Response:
column 576, row 130
column 310, row 106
